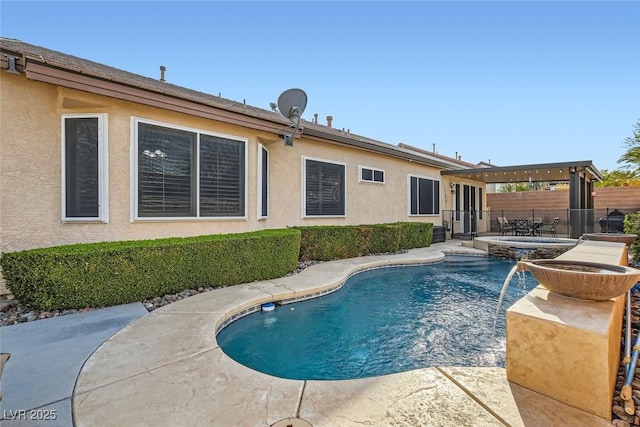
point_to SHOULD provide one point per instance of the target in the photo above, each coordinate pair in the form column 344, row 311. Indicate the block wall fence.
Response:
column 623, row 198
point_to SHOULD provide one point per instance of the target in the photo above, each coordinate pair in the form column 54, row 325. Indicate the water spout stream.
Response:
column 512, row 272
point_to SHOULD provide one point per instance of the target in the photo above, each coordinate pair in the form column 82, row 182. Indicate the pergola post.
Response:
column 575, row 199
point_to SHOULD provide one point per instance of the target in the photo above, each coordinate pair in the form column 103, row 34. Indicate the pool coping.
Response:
column 167, row 369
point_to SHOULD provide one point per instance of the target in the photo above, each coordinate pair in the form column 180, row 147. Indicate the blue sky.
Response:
column 510, row 82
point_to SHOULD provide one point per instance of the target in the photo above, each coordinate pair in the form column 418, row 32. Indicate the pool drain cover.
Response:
column 292, row 422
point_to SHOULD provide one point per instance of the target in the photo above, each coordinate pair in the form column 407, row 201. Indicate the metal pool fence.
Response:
column 467, row 224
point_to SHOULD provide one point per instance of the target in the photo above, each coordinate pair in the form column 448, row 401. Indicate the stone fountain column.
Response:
column 565, row 348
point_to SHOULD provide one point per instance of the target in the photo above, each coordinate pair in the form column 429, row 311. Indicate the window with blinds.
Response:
column 324, row 188
column 371, row 175
column 424, row 196
column 183, row 173
column 263, row 182
column 84, row 187
column 221, row 177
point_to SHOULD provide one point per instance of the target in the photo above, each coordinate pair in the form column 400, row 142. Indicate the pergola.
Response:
column 579, row 174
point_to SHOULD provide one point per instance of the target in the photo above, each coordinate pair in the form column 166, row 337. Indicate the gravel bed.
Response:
column 12, row 312
column 619, row 417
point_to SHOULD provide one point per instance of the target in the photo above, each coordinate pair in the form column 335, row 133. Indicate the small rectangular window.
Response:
column 84, row 167
column 324, row 188
column 367, row 174
column 263, row 182
column 424, row 196
column 371, row 175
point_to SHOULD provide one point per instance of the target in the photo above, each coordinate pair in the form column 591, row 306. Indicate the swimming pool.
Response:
column 383, row 321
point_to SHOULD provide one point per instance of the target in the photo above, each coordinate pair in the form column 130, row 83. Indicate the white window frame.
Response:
column 260, row 183
column 197, row 217
column 409, row 196
column 373, row 172
column 304, row 187
column 103, row 169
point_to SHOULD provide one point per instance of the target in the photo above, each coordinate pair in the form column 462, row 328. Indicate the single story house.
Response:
column 92, row 153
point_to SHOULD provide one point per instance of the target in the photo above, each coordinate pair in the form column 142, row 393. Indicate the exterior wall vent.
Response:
column 11, row 64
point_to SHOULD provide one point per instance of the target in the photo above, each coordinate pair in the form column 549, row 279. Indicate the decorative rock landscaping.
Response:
column 12, row 313
column 620, row 417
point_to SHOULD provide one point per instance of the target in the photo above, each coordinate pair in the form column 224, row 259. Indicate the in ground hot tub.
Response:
column 518, row 247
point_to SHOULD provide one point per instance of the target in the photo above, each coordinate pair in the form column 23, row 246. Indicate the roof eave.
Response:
column 38, row 68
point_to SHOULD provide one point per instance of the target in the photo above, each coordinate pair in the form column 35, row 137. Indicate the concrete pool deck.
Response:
column 166, row 369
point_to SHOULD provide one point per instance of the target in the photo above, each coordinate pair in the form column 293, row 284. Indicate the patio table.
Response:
column 526, row 226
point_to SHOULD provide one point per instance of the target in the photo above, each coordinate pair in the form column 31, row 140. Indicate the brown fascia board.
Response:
column 460, row 163
column 56, row 76
column 53, row 75
column 175, row 98
column 377, row 147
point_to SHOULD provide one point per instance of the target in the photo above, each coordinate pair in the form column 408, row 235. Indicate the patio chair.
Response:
column 504, row 225
column 550, row 228
column 522, row 227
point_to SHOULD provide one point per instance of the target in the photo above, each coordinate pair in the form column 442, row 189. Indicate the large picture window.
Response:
column 184, row 173
column 324, row 188
column 84, row 168
column 424, row 196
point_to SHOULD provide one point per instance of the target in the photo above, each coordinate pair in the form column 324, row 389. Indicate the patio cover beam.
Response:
column 543, row 172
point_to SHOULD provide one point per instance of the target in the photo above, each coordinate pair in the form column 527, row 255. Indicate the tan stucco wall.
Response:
column 30, row 173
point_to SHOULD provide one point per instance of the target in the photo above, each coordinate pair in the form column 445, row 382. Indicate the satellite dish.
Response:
column 291, row 104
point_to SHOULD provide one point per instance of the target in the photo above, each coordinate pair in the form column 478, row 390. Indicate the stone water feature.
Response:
column 555, row 341
column 582, row 279
column 529, row 247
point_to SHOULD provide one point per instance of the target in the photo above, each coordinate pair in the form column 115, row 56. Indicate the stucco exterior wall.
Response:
column 30, row 173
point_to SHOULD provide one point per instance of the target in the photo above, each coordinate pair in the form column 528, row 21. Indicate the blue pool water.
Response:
column 384, row 321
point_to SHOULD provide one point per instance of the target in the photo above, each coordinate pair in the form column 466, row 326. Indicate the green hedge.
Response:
column 111, row 273
column 632, row 226
column 325, row 243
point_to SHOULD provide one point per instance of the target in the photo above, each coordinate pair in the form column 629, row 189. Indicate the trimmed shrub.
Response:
column 325, row 243
column 111, row 273
column 415, row 235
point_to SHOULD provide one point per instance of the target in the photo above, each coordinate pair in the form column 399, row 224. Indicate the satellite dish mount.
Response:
column 291, row 104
